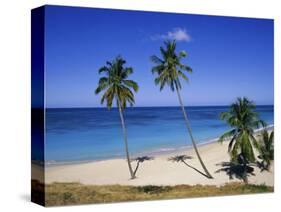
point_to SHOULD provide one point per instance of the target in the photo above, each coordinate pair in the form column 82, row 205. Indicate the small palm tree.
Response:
column 265, row 149
column 116, row 86
column 243, row 121
column 141, row 159
column 169, row 70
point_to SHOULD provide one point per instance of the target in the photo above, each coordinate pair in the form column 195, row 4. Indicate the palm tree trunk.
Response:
column 245, row 177
column 191, row 136
column 126, row 141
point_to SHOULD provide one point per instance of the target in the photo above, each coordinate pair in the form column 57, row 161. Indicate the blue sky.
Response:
column 230, row 57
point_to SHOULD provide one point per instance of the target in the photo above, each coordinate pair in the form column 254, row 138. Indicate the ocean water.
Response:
column 85, row 134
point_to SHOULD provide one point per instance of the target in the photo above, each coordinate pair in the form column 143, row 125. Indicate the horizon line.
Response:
column 146, row 106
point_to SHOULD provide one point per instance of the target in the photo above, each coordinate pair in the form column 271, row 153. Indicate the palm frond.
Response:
column 116, row 84
column 168, row 69
column 182, row 75
column 104, row 69
column 230, row 145
column 186, row 68
column 182, row 54
column 225, row 115
column 131, row 84
column 227, row 135
column 234, row 152
column 156, row 60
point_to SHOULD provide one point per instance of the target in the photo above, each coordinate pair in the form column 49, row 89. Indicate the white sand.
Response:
column 159, row 171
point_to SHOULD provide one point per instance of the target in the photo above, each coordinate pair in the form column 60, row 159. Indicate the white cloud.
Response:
column 178, row 34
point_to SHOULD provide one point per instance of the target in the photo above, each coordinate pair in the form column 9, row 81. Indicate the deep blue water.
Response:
column 95, row 133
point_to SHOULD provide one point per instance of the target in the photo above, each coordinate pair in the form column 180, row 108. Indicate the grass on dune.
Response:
column 76, row 193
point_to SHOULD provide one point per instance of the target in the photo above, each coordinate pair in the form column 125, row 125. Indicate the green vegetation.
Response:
column 75, row 193
column 117, row 86
column 243, row 120
column 169, row 70
column 265, row 149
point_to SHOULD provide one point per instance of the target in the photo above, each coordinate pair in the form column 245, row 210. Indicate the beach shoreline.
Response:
column 159, row 171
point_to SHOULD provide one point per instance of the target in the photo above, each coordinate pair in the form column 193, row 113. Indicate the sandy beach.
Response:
column 159, row 171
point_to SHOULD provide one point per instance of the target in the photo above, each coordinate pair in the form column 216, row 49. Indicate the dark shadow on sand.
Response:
column 140, row 160
column 182, row 158
column 196, row 170
column 234, row 170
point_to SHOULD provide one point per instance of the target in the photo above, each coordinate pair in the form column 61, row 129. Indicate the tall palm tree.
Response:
column 243, row 120
column 116, row 86
column 265, row 147
column 169, row 70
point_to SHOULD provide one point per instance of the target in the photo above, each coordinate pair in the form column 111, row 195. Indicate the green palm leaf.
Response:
column 265, row 149
column 243, row 120
column 116, row 84
column 169, row 68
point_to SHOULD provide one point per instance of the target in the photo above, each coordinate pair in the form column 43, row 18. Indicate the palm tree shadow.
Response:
column 182, row 158
column 234, row 170
column 196, row 170
column 262, row 166
column 140, row 160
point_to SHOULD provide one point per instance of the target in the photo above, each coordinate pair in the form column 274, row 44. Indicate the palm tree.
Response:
column 243, row 121
column 265, row 149
column 116, row 86
column 169, row 70
column 141, row 159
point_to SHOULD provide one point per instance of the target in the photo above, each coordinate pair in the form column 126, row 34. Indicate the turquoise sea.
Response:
column 85, row 134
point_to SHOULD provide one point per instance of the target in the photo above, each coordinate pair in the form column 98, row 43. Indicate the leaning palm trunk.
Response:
column 126, row 142
column 191, row 136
